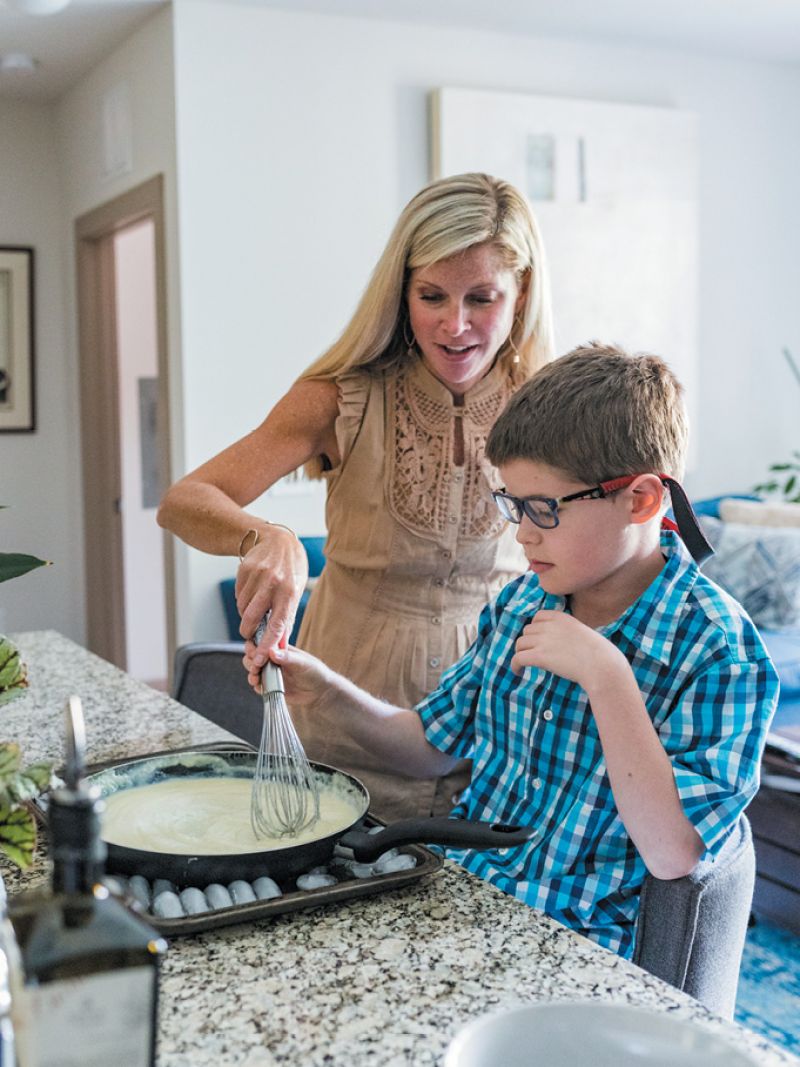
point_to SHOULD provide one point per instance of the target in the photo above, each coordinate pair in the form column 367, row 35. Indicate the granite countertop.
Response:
column 385, row 980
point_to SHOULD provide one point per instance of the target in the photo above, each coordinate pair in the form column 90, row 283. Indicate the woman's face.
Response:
column 461, row 311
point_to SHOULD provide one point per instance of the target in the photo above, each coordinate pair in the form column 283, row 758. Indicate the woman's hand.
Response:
column 271, row 578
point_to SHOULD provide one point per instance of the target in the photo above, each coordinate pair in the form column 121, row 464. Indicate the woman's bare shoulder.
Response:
column 310, row 406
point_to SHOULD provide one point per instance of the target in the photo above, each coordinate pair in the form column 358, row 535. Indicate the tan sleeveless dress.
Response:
column 415, row 549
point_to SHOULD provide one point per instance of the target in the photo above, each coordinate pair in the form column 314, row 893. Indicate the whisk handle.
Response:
column 271, row 674
column 272, row 678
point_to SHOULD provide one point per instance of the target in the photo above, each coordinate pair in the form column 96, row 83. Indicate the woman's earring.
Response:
column 513, row 347
column 410, row 342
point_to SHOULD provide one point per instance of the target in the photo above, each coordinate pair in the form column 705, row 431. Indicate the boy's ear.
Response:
column 646, row 497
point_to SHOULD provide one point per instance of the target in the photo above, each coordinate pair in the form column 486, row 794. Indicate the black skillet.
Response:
column 282, row 863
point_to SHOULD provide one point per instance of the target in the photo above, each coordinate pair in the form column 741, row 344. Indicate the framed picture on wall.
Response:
column 17, row 414
column 614, row 188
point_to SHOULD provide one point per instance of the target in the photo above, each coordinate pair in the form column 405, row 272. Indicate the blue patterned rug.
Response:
column 769, row 985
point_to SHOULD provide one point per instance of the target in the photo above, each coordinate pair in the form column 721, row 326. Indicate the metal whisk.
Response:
column 285, row 794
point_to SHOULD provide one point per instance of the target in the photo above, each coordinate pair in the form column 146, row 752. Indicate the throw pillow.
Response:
column 759, row 512
column 760, row 567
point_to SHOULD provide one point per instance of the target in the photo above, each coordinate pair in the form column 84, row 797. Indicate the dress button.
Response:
column 537, row 783
column 453, row 518
column 547, row 714
column 434, row 661
column 435, row 620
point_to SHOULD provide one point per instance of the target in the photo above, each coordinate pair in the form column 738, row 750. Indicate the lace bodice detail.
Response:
column 422, row 470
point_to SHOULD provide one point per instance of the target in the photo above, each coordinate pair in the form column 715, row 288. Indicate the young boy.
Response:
column 614, row 698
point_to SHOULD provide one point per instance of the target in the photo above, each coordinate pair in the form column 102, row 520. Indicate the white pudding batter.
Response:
column 207, row 816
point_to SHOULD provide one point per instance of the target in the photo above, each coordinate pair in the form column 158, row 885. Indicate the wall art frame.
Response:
column 615, row 190
column 17, row 350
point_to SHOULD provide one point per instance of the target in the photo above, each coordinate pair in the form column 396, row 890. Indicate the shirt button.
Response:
column 457, row 476
column 435, row 620
column 547, row 714
column 537, row 783
column 453, row 518
column 434, row 661
column 438, row 581
column 446, row 553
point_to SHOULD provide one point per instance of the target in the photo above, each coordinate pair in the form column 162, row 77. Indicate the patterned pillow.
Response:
column 759, row 512
column 760, row 566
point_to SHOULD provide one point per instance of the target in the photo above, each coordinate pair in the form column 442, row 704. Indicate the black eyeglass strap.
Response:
column 686, row 521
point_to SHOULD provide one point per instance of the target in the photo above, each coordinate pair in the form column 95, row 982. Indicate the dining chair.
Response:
column 209, row 678
column 691, row 930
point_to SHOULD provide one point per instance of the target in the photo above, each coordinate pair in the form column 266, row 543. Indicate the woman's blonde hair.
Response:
column 447, row 217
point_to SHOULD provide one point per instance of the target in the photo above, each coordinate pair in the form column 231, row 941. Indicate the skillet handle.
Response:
column 461, row 833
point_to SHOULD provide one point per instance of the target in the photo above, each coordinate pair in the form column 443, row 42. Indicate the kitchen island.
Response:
column 383, row 980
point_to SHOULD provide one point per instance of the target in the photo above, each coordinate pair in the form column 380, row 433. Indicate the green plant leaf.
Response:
column 30, row 781
column 15, row 564
column 765, row 487
column 17, row 835
column 10, row 760
column 780, row 466
column 790, row 484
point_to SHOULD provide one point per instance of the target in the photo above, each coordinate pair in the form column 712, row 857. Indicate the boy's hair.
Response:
column 596, row 413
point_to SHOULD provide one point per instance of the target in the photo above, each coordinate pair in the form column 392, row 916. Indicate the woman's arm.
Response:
column 206, row 508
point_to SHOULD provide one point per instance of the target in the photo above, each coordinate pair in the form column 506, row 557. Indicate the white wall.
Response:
column 143, row 66
column 300, row 137
column 51, row 172
column 38, row 471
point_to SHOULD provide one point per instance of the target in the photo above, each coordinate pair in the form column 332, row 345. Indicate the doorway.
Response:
column 124, row 392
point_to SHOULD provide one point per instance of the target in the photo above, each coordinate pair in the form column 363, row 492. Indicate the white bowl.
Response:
column 573, row 1033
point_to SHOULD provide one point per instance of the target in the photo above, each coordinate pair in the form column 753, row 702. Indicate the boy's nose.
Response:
column 528, row 532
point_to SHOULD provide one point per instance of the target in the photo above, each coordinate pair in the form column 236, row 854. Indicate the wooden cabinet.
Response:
column 775, row 818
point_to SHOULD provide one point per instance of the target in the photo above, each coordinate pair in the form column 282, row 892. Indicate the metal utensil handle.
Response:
column 271, row 674
column 75, row 763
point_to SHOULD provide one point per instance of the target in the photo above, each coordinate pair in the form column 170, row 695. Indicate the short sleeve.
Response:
column 715, row 737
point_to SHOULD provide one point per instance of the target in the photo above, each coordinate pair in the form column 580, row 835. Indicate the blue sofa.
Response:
column 774, row 812
column 783, row 646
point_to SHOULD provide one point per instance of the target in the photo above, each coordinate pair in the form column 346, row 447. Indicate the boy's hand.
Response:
column 559, row 643
column 307, row 680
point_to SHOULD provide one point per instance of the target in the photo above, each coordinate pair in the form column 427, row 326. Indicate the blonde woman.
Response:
column 394, row 416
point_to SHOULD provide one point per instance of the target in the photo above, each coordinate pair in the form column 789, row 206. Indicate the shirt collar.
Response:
column 651, row 621
column 496, row 378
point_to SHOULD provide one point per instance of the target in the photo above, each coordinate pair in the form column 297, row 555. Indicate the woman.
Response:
column 394, row 416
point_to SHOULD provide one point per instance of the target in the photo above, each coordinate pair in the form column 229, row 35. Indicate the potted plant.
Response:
column 785, row 479
column 13, row 675
column 18, row 784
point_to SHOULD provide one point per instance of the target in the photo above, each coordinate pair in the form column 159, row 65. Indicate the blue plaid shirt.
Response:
column 709, row 688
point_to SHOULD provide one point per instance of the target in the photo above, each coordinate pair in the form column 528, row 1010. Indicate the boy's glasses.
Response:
column 543, row 510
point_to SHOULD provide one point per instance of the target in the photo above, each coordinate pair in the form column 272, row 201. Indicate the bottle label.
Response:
column 94, row 1021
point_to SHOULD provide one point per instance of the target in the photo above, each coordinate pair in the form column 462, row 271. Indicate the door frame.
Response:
column 98, row 363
